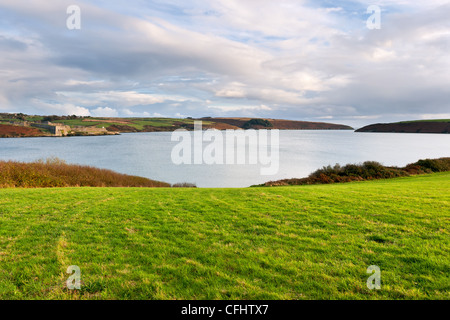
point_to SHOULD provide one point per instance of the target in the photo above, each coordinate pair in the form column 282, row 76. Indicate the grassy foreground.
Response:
column 306, row 242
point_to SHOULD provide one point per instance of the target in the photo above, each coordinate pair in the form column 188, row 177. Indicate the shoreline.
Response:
column 163, row 131
column 159, row 131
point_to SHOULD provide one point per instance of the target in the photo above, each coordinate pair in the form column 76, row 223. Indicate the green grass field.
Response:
column 306, row 242
column 138, row 123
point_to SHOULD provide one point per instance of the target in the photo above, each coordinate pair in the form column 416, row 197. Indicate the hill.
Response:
column 22, row 123
column 419, row 126
column 306, row 242
column 246, row 123
column 10, row 131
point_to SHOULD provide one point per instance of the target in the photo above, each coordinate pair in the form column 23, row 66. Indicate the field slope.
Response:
column 417, row 126
column 155, row 124
column 306, row 242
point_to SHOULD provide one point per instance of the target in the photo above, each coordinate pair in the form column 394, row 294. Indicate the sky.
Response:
column 285, row 59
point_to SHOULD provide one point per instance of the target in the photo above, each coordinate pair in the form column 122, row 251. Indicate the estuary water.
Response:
column 300, row 153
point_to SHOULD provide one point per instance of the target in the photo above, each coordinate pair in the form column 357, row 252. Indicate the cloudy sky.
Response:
column 289, row 59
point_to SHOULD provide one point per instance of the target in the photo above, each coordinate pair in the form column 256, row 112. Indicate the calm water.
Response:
column 301, row 152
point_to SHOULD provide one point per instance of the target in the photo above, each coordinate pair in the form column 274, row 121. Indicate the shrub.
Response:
column 435, row 165
column 369, row 170
column 54, row 172
column 257, row 122
column 184, row 185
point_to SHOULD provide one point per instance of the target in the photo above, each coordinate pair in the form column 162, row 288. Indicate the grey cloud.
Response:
column 398, row 70
column 12, row 44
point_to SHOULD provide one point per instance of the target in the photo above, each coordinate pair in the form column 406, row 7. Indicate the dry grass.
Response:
column 57, row 173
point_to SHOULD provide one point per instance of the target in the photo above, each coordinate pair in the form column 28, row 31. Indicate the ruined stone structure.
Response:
column 90, row 130
column 60, row 130
column 57, row 129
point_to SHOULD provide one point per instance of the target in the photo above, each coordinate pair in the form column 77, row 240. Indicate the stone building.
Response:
column 90, row 130
column 57, row 129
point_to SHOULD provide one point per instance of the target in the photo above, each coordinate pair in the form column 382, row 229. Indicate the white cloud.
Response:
column 435, row 116
column 179, row 115
column 72, row 82
column 239, row 107
column 296, row 59
column 234, row 90
column 335, row 9
column 118, row 98
column 129, row 113
column 104, row 112
column 61, row 109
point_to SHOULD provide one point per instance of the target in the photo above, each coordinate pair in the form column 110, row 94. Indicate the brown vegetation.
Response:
column 7, row 131
column 57, row 173
column 280, row 124
column 369, row 170
column 408, row 127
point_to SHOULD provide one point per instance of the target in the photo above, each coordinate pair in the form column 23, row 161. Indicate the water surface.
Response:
column 301, row 152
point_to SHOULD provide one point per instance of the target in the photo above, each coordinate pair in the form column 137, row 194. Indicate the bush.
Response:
column 435, row 165
column 54, row 172
column 184, row 185
column 369, row 170
column 257, row 122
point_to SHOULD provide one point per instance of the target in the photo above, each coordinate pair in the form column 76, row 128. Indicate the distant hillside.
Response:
column 255, row 123
column 10, row 131
column 138, row 124
column 419, row 126
column 20, row 123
